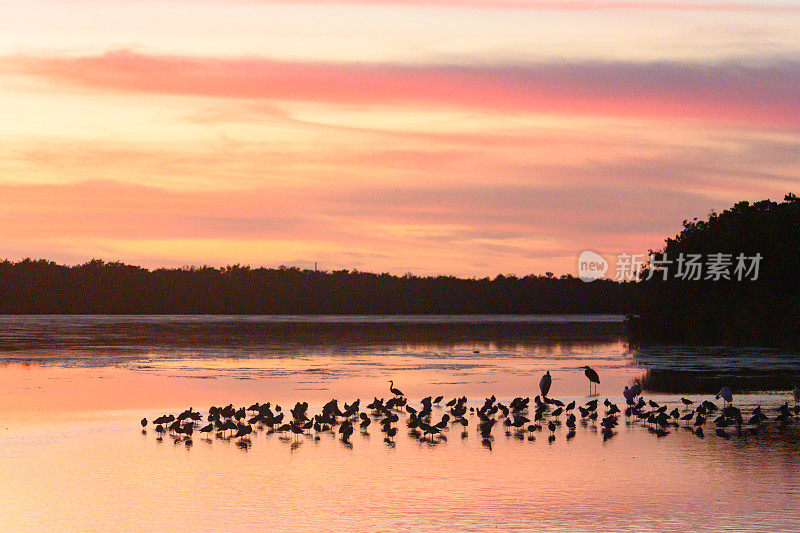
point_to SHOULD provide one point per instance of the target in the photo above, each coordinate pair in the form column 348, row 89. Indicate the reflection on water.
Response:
column 56, row 338
column 346, row 346
column 682, row 369
column 74, row 389
column 103, row 474
column 710, row 382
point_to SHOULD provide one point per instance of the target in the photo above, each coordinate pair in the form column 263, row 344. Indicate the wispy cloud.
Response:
column 766, row 95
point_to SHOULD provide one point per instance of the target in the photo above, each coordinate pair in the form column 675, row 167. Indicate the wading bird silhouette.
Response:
column 592, row 377
column 726, row 395
column 396, row 392
column 636, row 390
column 544, row 384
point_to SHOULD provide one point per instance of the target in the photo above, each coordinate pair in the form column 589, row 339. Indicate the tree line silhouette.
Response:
column 759, row 312
column 98, row 287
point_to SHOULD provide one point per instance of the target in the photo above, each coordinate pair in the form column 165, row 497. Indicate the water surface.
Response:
column 74, row 389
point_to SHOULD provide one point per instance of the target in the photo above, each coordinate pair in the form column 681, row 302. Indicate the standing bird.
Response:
column 144, row 422
column 396, row 392
column 636, row 390
column 628, row 395
column 544, row 384
column 726, row 395
column 593, row 378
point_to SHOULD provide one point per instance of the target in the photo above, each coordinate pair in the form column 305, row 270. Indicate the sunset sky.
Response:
column 468, row 137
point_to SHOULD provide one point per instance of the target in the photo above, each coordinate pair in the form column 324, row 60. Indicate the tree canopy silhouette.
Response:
column 97, row 287
column 764, row 311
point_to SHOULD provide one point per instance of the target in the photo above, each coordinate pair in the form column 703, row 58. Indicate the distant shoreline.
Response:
column 41, row 287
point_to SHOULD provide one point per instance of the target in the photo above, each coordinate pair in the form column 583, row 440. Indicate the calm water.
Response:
column 74, row 388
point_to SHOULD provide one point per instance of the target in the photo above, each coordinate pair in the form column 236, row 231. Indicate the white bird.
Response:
column 726, row 394
column 544, row 384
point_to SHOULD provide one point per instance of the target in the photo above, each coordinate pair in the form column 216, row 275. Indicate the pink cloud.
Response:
column 726, row 93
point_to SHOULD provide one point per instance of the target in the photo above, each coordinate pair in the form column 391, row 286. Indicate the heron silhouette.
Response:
column 593, row 378
column 396, row 392
column 544, row 384
column 726, row 395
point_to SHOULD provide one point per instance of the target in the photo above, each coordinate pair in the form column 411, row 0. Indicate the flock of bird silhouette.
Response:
column 240, row 424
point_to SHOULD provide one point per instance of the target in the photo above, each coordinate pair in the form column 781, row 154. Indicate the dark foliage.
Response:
column 97, row 287
column 764, row 312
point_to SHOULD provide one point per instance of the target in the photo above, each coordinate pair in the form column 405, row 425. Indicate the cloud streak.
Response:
column 726, row 93
column 505, row 225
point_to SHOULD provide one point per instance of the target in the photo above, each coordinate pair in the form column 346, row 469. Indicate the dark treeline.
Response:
column 764, row 311
column 97, row 287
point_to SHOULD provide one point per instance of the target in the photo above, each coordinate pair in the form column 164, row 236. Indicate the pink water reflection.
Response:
column 75, row 457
